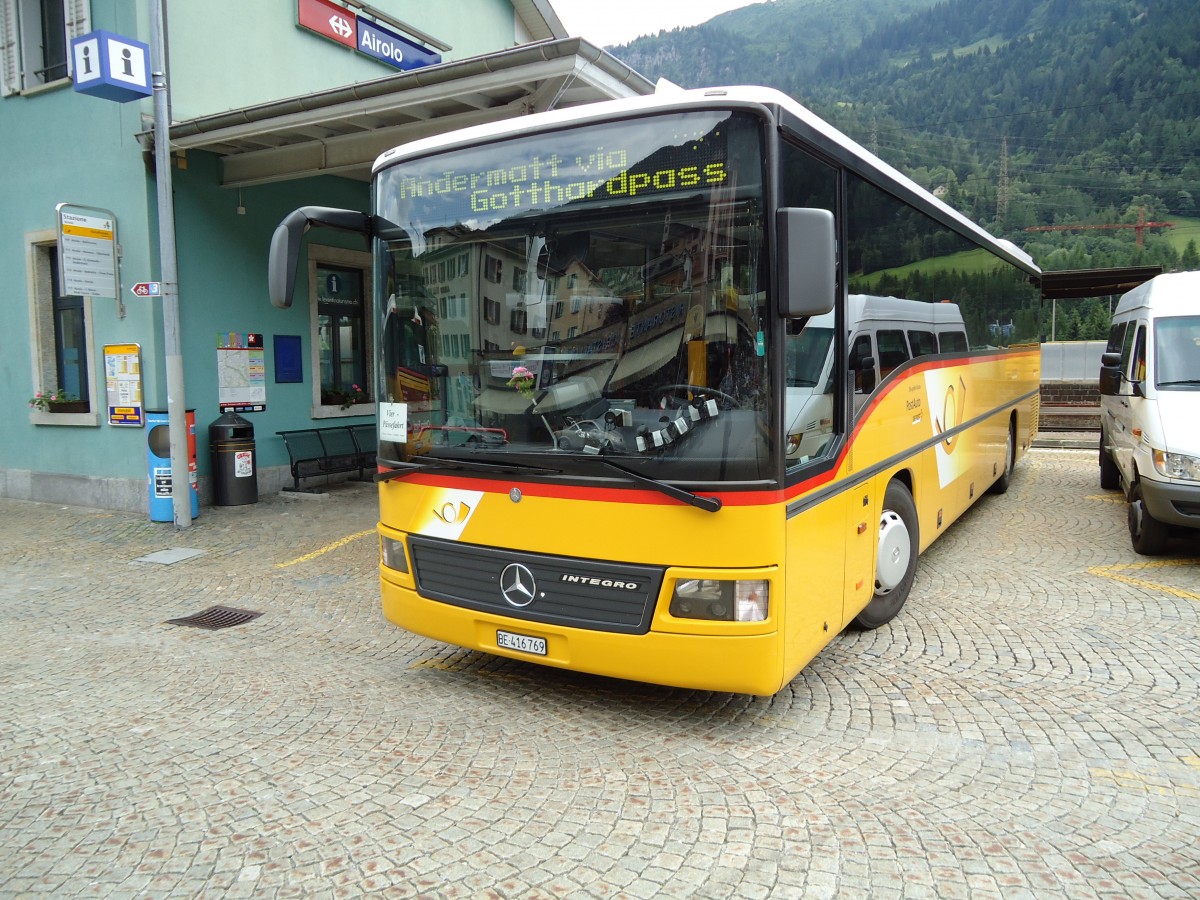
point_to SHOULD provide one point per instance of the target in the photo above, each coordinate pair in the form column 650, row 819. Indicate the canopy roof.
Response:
column 342, row 130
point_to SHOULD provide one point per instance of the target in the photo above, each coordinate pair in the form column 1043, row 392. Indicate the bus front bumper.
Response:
column 743, row 664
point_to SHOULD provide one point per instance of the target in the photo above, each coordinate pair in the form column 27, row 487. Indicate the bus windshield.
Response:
column 593, row 292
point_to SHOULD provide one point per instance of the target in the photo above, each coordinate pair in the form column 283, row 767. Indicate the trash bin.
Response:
column 158, row 457
column 235, row 470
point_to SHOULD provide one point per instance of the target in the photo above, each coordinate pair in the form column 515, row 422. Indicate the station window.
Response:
column 340, row 292
column 62, row 339
column 35, row 40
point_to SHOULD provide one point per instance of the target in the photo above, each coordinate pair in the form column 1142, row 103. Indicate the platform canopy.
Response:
column 342, row 130
column 1078, row 283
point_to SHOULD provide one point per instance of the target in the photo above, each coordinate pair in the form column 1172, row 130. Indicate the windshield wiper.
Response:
column 1180, row 381
column 441, row 462
column 708, row 504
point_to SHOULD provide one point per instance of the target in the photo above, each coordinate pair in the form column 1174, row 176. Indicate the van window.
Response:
column 923, row 343
column 893, row 351
column 1177, row 352
column 1138, row 372
column 807, row 353
column 1127, row 348
column 864, row 381
column 1116, row 337
column 953, row 342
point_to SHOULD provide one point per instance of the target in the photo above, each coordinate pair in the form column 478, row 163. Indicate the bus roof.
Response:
column 671, row 98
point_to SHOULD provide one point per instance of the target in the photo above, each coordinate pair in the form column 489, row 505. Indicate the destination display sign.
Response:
column 633, row 160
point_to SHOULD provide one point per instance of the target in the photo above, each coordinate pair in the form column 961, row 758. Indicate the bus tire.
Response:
column 1110, row 475
column 1148, row 535
column 896, row 557
column 1001, row 484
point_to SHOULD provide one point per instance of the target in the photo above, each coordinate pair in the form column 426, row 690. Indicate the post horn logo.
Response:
column 953, row 408
column 453, row 513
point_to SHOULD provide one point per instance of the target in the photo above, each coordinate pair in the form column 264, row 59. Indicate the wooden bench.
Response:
column 329, row 451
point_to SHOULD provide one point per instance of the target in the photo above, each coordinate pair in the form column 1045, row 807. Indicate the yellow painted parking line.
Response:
column 1115, row 573
column 1132, row 781
column 338, row 543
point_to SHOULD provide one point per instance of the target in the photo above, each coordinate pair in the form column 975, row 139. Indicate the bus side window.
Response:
column 893, row 351
column 923, row 343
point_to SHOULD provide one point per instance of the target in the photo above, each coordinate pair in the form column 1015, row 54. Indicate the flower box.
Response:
column 68, row 406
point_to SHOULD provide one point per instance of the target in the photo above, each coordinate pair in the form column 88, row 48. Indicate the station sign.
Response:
column 364, row 35
column 111, row 66
column 389, row 47
column 328, row 20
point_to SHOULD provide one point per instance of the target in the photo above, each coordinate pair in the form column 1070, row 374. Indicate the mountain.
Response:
column 1026, row 113
column 752, row 45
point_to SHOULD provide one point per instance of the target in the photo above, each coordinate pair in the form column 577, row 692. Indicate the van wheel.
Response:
column 896, row 558
column 1001, row 484
column 1110, row 475
column 1149, row 536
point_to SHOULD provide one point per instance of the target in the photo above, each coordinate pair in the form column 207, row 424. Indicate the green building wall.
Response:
column 57, row 145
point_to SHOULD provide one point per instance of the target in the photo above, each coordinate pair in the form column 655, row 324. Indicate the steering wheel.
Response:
column 676, row 391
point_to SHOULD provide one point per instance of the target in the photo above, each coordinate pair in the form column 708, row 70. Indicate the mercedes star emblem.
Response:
column 517, row 585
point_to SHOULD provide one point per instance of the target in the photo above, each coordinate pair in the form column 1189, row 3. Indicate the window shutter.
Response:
column 79, row 18
column 10, row 51
column 78, row 14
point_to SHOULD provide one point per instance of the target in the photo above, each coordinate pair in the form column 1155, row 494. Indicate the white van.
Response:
column 1150, row 408
column 885, row 332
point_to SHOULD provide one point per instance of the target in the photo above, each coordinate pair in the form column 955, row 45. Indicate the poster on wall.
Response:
column 241, row 372
column 123, row 384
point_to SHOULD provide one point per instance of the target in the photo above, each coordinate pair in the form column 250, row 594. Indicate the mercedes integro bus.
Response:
column 598, row 305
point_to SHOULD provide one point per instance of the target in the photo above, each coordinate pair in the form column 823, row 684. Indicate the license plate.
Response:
column 521, row 642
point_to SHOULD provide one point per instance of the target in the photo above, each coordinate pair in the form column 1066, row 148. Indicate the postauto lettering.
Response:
column 552, row 180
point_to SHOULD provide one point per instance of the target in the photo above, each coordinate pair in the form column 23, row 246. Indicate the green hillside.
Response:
column 1031, row 112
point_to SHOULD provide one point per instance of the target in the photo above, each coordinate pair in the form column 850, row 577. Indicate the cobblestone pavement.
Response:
column 1029, row 727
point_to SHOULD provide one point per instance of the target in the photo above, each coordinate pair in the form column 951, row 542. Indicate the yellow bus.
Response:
column 671, row 450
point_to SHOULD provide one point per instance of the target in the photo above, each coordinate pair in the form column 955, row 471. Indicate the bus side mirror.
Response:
column 1110, row 374
column 285, row 245
column 806, row 261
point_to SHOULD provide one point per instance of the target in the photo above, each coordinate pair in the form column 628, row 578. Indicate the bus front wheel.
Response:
column 896, row 557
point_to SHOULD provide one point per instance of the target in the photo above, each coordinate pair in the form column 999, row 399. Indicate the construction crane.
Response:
column 1140, row 227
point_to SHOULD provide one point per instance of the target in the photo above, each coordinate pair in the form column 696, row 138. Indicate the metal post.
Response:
column 176, row 405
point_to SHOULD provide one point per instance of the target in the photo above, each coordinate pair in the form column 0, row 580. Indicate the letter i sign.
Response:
column 111, row 66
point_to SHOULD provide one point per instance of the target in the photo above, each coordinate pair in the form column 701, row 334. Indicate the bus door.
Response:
column 412, row 374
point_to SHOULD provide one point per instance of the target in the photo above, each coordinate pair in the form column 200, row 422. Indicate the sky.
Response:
column 608, row 22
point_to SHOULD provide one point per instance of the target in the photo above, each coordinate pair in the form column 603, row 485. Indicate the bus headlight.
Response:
column 728, row 601
column 392, row 553
column 1176, row 465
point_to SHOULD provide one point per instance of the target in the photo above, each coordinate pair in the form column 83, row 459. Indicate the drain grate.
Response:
column 217, row 617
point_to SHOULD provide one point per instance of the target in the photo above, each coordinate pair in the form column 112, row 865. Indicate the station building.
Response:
column 275, row 104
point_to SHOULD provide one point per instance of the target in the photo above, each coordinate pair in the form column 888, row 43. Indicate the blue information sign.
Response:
column 111, row 66
column 391, row 48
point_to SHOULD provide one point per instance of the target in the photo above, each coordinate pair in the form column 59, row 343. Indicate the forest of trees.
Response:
column 1027, row 113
